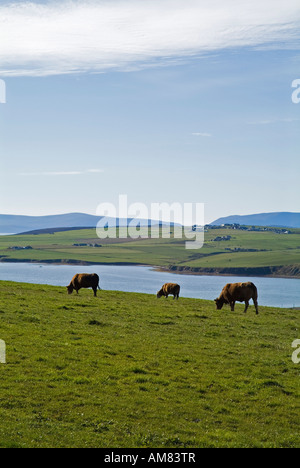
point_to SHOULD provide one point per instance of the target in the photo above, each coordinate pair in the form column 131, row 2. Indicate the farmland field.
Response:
column 257, row 253
column 127, row 370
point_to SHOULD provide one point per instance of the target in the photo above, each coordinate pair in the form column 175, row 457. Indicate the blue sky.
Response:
column 192, row 105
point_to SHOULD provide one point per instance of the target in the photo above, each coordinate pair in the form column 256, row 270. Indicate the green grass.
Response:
column 271, row 250
column 128, row 370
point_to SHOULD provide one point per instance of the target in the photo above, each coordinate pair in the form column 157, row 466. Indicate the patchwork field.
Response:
column 128, row 370
column 252, row 253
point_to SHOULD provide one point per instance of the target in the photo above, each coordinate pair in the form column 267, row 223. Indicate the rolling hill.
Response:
column 281, row 219
column 15, row 224
column 229, row 251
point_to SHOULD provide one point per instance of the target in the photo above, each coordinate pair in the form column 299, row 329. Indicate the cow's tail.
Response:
column 255, row 292
column 255, row 297
column 99, row 287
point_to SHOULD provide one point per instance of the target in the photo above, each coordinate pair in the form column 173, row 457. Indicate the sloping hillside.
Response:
column 127, row 370
column 282, row 219
column 14, row 224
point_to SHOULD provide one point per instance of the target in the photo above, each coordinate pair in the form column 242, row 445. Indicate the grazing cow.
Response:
column 169, row 289
column 237, row 292
column 84, row 280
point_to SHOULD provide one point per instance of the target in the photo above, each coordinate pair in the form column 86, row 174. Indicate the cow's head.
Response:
column 219, row 303
column 70, row 288
column 160, row 294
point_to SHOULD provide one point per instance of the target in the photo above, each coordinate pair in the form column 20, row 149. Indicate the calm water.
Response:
column 275, row 292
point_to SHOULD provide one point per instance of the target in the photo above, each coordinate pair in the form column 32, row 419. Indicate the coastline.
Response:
column 288, row 272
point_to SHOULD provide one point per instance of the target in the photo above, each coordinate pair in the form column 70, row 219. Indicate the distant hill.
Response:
column 282, row 219
column 15, row 224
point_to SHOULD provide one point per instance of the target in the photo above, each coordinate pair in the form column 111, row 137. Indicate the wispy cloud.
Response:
column 62, row 37
column 199, row 134
column 94, row 171
column 60, row 173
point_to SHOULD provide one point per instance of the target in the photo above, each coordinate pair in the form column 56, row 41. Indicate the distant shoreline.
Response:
column 288, row 272
column 291, row 272
column 216, row 273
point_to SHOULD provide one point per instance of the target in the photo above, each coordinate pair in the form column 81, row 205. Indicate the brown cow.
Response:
column 84, row 280
column 169, row 289
column 237, row 292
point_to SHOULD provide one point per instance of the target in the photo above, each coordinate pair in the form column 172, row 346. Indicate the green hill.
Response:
column 127, row 370
column 264, row 252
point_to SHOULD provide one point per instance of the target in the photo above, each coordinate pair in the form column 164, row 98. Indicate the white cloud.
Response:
column 87, row 35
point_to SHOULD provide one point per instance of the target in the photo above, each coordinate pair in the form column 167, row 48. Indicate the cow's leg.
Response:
column 246, row 306
column 95, row 292
column 76, row 286
column 232, row 304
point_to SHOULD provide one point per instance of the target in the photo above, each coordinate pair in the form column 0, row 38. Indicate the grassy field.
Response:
column 245, row 249
column 128, row 370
